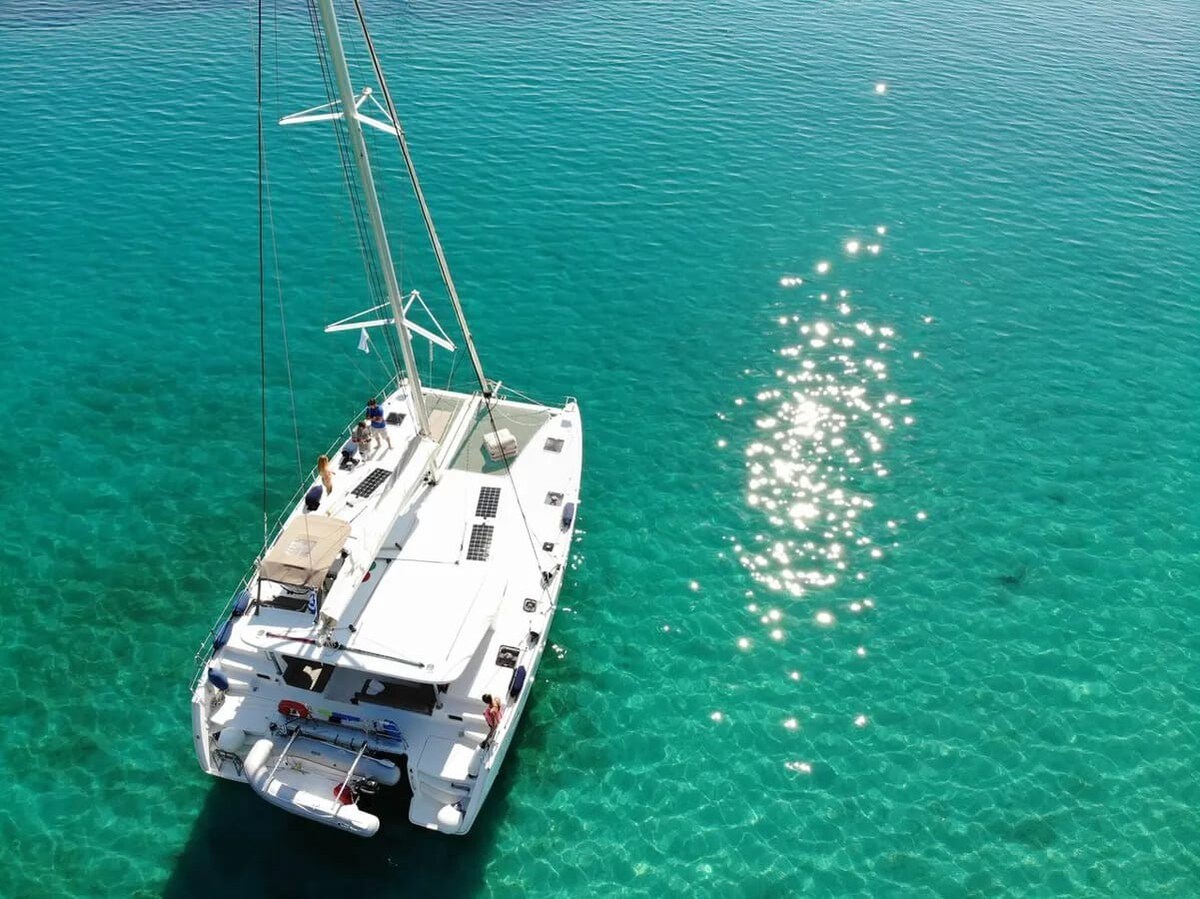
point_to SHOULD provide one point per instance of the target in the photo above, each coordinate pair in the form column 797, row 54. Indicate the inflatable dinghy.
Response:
column 310, row 790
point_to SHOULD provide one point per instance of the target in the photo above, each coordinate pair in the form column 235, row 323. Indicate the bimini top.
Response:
column 304, row 551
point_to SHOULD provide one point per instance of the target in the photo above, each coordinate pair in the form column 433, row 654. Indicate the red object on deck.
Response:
column 293, row 709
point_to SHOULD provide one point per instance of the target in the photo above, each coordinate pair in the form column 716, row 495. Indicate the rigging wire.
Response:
column 487, row 404
column 484, row 385
column 266, row 223
column 262, row 280
column 355, row 59
column 468, row 340
column 371, row 264
column 287, row 353
column 267, row 226
column 275, row 52
column 373, row 271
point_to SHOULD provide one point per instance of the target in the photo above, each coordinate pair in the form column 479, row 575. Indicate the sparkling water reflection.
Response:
column 823, row 422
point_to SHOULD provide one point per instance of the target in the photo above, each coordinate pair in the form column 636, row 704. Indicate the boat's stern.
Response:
column 445, row 776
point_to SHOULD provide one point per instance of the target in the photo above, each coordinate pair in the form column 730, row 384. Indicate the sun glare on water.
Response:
column 823, row 424
column 824, row 410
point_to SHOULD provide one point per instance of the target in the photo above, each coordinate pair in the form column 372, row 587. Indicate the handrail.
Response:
column 524, row 396
column 204, row 650
column 340, row 791
column 283, row 755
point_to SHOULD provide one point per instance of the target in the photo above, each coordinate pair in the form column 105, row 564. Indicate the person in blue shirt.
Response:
column 349, row 454
column 312, row 499
column 378, row 425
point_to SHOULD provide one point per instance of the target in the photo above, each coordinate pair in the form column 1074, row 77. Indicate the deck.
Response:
column 522, row 420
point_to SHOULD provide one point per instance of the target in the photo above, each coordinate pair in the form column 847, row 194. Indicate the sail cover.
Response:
column 305, row 550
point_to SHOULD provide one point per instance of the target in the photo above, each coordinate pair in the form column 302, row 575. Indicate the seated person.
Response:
column 349, row 455
column 312, row 499
column 362, row 436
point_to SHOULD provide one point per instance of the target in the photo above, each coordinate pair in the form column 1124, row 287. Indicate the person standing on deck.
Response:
column 492, row 716
column 325, row 473
column 378, row 425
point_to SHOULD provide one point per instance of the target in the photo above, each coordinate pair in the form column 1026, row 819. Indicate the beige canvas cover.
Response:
column 305, row 550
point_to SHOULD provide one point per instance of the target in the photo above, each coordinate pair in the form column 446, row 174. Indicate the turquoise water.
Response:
column 889, row 593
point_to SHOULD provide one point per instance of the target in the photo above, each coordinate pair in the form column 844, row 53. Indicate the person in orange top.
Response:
column 492, row 716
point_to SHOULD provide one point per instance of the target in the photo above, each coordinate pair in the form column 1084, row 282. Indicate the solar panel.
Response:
column 371, row 482
column 489, row 499
column 480, row 542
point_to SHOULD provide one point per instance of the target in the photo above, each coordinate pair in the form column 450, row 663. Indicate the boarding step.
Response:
column 432, row 814
column 444, row 792
column 449, row 760
column 446, row 769
column 442, row 783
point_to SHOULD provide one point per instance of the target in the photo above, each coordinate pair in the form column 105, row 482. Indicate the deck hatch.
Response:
column 480, row 542
column 371, row 482
column 507, row 656
column 489, row 500
column 554, row 444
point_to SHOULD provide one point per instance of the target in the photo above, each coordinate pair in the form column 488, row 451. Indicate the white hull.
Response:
column 421, row 621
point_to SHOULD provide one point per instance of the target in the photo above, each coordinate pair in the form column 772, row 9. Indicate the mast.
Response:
column 443, row 265
column 341, row 70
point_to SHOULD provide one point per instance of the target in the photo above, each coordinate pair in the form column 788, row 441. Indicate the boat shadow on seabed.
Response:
column 241, row 846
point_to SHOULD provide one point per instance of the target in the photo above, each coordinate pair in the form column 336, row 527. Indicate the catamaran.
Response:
column 354, row 657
